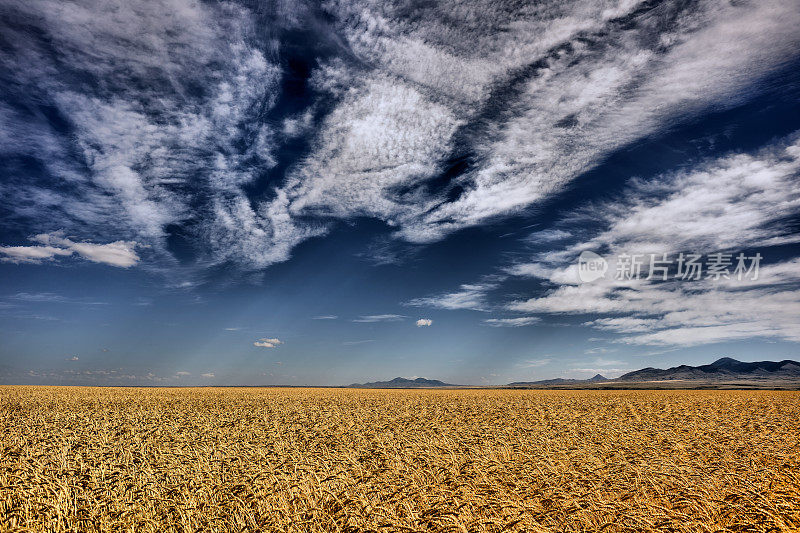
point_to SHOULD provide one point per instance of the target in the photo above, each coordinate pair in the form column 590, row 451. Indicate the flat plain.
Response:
column 264, row 459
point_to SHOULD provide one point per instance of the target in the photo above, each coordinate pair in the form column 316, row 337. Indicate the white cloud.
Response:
column 268, row 343
column 119, row 253
column 512, row 322
column 469, row 296
column 173, row 132
column 382, row 136
column 208, row 375
column 49, row 297
column 588, row 102
column 574, row 104
column 74, row 358
column 735, row 203
column 325, row 317
column 31, row 254
column 548, row 235
column 182, row 374
column 424, row 322
column 379, row 318
column 679, row 312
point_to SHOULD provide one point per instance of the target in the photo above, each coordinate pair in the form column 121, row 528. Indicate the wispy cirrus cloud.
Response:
column 169, row 123
column 471, row 296
column 50, row 297
column 516, row 322
column 158, row 142
column 580, row 82
column 357, row 343
column 733, row 203
column 379, row 318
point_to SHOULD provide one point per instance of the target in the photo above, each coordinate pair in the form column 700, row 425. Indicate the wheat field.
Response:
column 124, row 459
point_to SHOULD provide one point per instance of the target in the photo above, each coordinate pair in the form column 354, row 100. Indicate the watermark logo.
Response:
column 662, row 267
column 591, row 266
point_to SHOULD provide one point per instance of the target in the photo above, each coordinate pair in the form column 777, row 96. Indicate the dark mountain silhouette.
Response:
column 558, row 382
column 403, row 383
column 548, row 382
column 722, row 373
column 721, row 369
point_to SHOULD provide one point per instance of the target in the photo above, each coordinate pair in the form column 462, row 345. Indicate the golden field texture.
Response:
column 105, row 459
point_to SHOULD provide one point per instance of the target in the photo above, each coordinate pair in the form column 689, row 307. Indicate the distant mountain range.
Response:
column 721, row 369
column 598, row 378
column 723, row 372
column 403, row 383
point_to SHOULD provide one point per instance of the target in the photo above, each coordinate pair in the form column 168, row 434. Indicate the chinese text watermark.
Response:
column 663, row 267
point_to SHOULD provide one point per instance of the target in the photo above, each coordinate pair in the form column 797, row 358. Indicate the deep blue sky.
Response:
column 296, row 193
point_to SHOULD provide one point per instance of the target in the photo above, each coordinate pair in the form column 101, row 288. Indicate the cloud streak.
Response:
column 732, row 203
column 119, row 254
column 379, row 318
column 468, row 296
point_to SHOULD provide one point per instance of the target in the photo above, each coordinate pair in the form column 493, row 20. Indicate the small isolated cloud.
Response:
column 233, row 329
column 51, row 245
column 424, row 322
column 73, row 358
column 268, row 343
column 512, row 322
column 182, row 374
column 379, row 318
column 325, row 317
column 208, row 375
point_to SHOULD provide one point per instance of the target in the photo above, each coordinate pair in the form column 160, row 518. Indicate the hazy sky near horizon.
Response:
column 322, row 193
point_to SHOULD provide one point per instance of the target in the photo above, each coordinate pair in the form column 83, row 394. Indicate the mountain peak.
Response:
column 400, row 383
column 725, row 361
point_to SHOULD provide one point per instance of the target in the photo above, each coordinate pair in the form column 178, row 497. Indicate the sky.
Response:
column 322, row 193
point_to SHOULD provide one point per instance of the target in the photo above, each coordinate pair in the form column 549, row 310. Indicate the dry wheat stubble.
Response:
column 106, row 459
